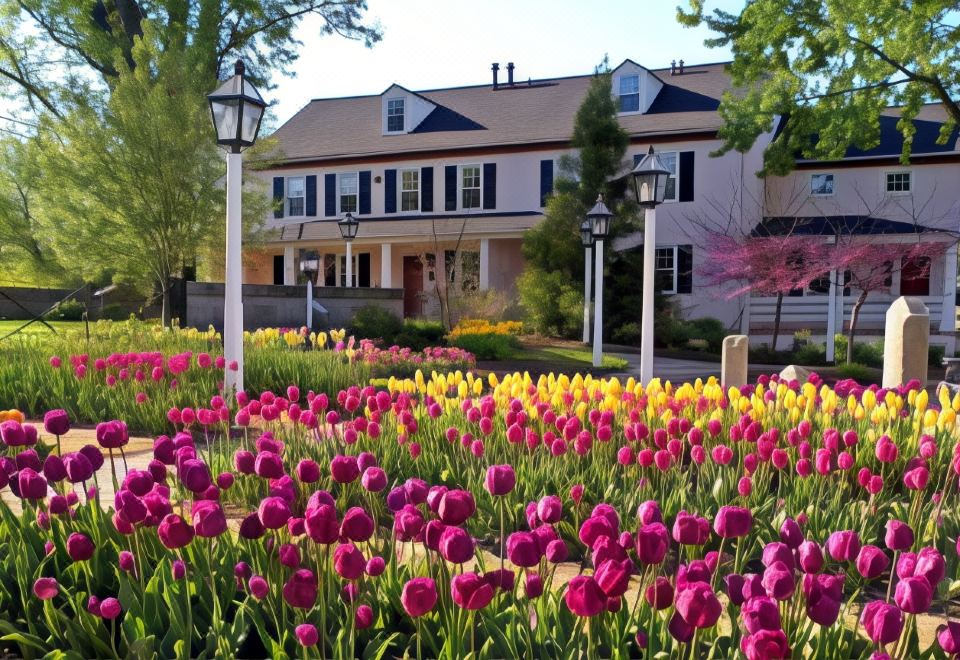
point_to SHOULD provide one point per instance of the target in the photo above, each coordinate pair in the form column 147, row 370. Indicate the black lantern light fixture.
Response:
column 586, row 234
column 650, row 180
column 599, row 219
column 237, row 109
column 348, row 227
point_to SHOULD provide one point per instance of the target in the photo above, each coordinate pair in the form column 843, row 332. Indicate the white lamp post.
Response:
column 348, row 229
column 237, row 109
column 650, row 179
column 586, row 237
column 310, row 267
column 599, row 219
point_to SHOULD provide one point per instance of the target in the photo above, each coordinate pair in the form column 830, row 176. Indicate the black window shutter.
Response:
column 389, row 191
column 330, row 195
column 278, row 269
column 546, row 180
column 685, row 184
column 311, row 194
column 364, row 206
column 684, row 269
column 489, row 185
column 450, row 187
column 363, row 266
column 278, row 197
column 426, row 189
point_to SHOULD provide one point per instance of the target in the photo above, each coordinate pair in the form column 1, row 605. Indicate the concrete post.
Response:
column 905, row 341
column 733, row 368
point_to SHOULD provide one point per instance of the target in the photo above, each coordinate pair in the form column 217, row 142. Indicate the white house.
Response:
column 425, row 172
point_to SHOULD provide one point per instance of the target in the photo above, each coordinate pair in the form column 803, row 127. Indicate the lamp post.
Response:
column 599, row 219
column 310, row 267
column 586, row 237
column 348, row 229
column 650, row 180
column 237, row 109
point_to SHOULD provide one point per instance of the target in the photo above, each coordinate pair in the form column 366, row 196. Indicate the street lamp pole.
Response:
column 586, row 237
column 650, row 180
column 599, row 219
column 236, row 108
column 348, row 230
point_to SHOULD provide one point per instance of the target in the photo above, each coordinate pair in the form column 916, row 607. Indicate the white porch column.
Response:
column 289, row 268
column 831, row 316
column 386, row 266
column 484, row 264
column 948, row 312
column 350, row 282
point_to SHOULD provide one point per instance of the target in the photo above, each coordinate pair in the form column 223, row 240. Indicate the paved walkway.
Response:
column 678, row 370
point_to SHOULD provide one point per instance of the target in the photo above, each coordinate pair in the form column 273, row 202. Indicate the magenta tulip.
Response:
column 470, row 591
column 419, row 595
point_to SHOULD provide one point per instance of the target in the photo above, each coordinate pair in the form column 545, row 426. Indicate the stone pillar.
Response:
column 386, row 266
column 733, row 368
column 289, row 267
column 484, row 264
column 905, row 341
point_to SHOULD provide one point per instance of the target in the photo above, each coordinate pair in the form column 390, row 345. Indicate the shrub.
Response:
column 551, row 304
column 489, row 304
column 935, row 355
column 114, row 312
column 858, row 372
column 68, row 310
column 628, row 333
column 669, row 332
column 372, row 322
column 487, row 346
column 418, row 334
column 710, row 329
column 810, row 354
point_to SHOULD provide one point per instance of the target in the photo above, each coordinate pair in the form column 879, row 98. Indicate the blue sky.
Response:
column 444, row 43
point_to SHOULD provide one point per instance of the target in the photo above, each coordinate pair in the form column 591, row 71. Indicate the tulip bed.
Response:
column 136, row 371
column 453, row 517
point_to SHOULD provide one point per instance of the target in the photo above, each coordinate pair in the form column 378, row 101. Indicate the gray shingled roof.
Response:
column 351, row 127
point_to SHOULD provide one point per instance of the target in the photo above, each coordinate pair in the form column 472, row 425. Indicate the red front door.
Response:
column 412, row 286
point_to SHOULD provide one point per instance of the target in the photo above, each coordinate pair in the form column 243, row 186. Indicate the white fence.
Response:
column 810, row 312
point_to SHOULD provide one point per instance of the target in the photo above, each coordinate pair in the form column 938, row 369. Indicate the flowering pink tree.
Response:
column 768, row 266
column 869, row 268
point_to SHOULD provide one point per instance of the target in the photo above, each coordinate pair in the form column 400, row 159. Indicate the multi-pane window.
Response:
column 395, row 115
column 348, row 192
column 821, row 185
column 470, row 187
column 295, row 196
column 629, row 93
column 898, row 182
column 410, row 190
column 669, row 160
column 666, row 269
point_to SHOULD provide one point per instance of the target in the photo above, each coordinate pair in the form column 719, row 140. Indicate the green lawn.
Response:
column 7, row 326
column 576, row 357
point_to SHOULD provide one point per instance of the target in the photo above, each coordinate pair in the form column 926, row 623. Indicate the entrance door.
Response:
column 412, row 286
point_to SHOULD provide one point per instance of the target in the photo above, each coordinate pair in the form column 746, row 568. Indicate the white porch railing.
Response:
column 810, row 312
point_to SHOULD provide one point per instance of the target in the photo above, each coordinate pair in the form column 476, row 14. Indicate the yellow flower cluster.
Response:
column 485, row 327
column 292, row 338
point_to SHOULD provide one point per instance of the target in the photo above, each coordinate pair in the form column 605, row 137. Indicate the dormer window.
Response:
column 395, row 115
column 629, row 93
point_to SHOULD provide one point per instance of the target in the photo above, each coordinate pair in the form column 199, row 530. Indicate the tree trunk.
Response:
column 166, row 314
column 776, row 322
column 854, row 316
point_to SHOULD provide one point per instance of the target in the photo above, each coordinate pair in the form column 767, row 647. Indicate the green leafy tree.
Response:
column 134, row 187
column 49, row 47
column 552, row 282
column 829, row 69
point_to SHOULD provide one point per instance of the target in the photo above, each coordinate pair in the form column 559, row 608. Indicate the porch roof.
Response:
column 418, row 228
column 833, row 225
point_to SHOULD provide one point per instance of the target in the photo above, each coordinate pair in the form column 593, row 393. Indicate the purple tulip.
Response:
column 882, row 621
column 418, row 597
column 307, row 634
column 584, row 597
column 500, row 479
column 872, row 562
column 732, row 522
column 470, row 591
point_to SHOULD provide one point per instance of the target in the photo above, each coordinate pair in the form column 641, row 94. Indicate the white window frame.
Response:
column 460, row 188
column 620, row 94
column 657, row 269
column 401, row 190
column 287, row 197
column 356, row 178
column 833, row 187
column 387, row 115
column 676, row 176
column 884, row 183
